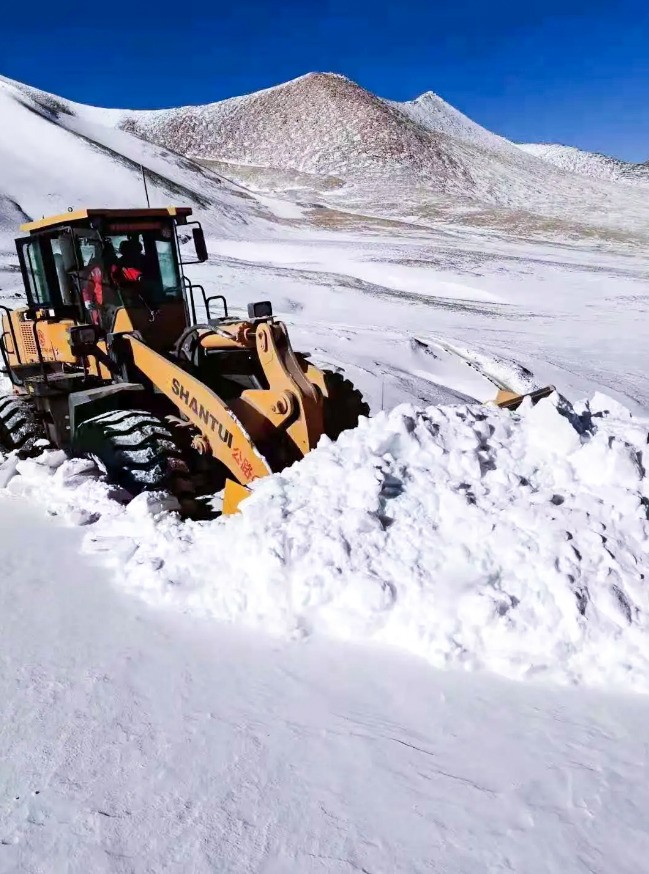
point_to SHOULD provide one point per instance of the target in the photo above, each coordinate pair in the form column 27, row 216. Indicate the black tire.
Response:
column 137, row 451
column 343, row 406
column 19, row 428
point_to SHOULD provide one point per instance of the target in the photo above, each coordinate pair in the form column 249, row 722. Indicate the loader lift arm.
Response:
column 291, row 406
column 223, row 434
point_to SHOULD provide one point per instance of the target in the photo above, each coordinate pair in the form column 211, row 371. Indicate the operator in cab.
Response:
column 130, row 264
column 94, row 285
column 128, row 273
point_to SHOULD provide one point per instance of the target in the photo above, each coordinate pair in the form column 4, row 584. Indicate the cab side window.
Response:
column 168, row 268
column 64, row 263
column 36, row 272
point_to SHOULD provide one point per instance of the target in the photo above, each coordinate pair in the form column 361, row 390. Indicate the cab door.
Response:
column 37, row 279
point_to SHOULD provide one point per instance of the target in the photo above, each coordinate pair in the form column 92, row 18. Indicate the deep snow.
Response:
column 386, row 307
column 476, row 538
column 137, row 740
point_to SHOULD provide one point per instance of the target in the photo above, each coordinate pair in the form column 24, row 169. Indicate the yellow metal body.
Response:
column 293, row 401
column 510, row 400
column 78, row 215
column 288, row 410
column 29, row 333
column 50, row 335
column 230, row 433
column 224, row 434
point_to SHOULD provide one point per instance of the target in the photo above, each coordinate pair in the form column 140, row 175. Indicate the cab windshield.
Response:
column 127, row 264
column 132, row 264
column 143, row 262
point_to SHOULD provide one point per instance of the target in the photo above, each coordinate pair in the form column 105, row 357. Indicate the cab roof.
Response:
column 80, row 215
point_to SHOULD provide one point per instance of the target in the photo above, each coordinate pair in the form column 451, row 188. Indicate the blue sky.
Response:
column 575, row 71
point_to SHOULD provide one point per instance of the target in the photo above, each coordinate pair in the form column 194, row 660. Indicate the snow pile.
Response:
column 476, row 538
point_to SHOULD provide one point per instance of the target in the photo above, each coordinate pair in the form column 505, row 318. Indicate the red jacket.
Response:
column 93, row 291
column 125, row 275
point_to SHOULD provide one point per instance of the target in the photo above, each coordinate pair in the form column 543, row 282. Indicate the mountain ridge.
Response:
column 428, row 109
column 419, row 159
column 592, row 164
column 53, row 157
column 323, row 138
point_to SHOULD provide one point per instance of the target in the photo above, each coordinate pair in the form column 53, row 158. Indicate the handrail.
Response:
column 189, row 301
column 3, row 349
column 215, row 297
column 190, row 293
column 39, row 350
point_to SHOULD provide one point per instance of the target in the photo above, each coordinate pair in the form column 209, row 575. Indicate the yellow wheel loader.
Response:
column 108, row 360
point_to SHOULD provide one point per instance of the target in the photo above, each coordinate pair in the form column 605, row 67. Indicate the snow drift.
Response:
column 475, row 538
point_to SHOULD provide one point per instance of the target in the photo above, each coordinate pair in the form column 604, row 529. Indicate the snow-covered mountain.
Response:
column 319, row 123
column 591, row 164
column 435, row 114
column 421, row 159
column 326, row 124
column 53, row 157
column 322, row 135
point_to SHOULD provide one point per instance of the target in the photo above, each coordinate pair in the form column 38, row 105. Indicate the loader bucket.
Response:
column 233, row 495
column 509, row 400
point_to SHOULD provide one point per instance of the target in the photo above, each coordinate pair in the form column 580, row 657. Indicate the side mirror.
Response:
column 199, row 244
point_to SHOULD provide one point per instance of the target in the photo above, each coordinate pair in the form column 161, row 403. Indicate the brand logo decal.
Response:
column 201, row 412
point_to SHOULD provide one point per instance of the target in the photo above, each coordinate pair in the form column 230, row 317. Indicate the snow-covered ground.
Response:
column 143, row 734
column 393, row 309
column 141, row 739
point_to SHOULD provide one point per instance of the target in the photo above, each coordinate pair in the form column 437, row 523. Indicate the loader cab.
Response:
column 105, row 266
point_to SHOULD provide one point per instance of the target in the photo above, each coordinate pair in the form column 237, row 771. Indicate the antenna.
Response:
column 146, row 190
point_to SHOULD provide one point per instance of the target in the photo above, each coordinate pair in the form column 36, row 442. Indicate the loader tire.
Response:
column 137, row 451
column 19, row 428
column 343, row 406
